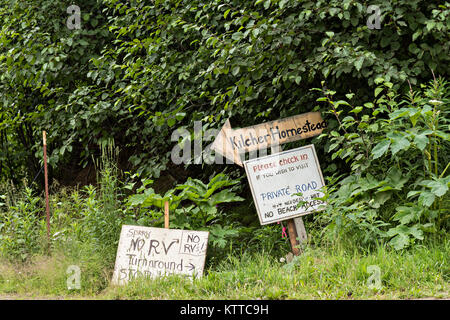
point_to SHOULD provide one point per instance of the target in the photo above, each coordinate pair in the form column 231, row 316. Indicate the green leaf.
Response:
column 377, row 91
column 421, row 141
column 413, row 193
column 396, row 179
column 235, row 70
column 224, row 196
column 349, row 95
column 171, row 122
column 380, row 198
column 400, row 241
column 398, row 142
column 405, row 214
column 359, row 62
column 426, row 198
column 416, row 34
column 416, row 232
column 430, row 24
column 381, row 148
column 282, row 3
column 339, row 102
column 438, row 187
column 237, row 36
column 357, row 110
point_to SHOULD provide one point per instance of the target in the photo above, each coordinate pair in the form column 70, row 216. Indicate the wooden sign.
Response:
column 155, row 252
column 275, row 179
column 231, row 143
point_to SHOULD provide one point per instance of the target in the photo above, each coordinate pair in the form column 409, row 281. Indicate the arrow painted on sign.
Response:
column 191, row 267
column 230, row 143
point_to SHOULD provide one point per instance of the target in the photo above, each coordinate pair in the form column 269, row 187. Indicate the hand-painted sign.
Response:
column 231, row 142
column 154, row 252
column 275, row 179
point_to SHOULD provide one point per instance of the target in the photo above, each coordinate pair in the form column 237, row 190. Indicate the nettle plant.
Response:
column 397, row 148
column 193, row 205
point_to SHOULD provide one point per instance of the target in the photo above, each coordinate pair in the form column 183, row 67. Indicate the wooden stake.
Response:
column 166, row 214
column 47, row 206
column 293, row 237
column 301, row 231
column 292, row 224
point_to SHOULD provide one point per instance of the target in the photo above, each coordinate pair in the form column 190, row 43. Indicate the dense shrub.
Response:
column 398, row 148
column 150, row 66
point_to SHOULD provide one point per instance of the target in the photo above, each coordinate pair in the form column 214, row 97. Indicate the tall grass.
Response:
column 85, row 226
column 21, row 229
column 317, row 274
column 103, row 215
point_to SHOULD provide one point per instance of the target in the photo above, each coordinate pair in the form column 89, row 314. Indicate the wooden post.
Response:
column 301, row 231
column 47, row 206
column 293, row 237
column 294, row 225
column 166, row 214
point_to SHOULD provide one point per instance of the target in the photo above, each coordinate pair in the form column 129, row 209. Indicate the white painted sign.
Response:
column 274, row 180
column 154, row 252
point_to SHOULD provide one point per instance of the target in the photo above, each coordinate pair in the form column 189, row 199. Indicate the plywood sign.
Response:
column 231, row 142
column 275, row 179
column 154, row 252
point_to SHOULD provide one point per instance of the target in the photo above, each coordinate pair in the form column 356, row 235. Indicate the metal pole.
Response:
column 47, row 206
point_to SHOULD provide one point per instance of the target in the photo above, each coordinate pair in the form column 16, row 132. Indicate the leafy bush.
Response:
column 91, row 217
column 22, row 232
column 151, row 66
column 398, row 150
column 192, row 205
column 103, row 213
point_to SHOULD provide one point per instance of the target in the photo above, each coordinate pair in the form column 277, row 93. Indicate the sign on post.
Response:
column 274, row 180
column 155, row 252
column 232, row 142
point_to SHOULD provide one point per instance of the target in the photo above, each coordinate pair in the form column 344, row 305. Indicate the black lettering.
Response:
column 305, row 128
column 136, row 244
column 233, row 142
column 254, row 140
column 293, row 132
column 308, row 124
column 152, row 245
column 167, row 249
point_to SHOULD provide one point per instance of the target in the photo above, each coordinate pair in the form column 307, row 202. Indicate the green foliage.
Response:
column 92, row 217
column 152, row 66
column 41, row 60
column 137, row 70
column 22, row 233
column 398, row 152
column 103, row 213
column 192, row 205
